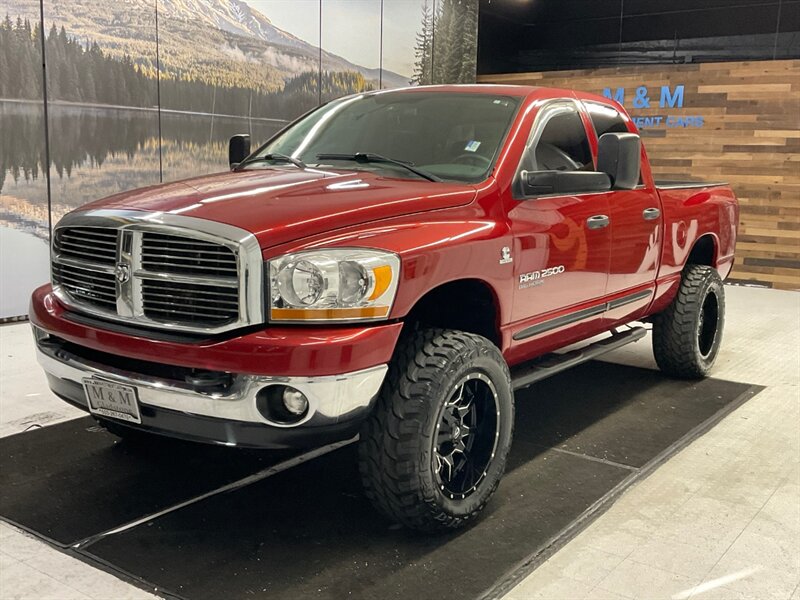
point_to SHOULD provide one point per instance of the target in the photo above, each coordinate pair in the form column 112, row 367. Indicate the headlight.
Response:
column 342, row 284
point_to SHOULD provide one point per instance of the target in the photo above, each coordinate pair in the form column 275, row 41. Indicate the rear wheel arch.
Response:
column 705, row 251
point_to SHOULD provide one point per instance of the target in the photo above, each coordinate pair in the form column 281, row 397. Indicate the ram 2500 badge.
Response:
column 377, row 268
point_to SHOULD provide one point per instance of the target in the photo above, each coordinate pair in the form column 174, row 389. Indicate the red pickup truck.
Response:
column 393, row 264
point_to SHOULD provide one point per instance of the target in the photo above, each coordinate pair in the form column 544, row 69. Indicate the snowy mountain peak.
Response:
column 233, row 16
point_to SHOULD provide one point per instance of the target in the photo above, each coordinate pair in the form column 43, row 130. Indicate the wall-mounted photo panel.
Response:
column 228, row 68
column 102, row 99
column 24, row 212
column 351, row 47
column 407, row 57
column 455, row 41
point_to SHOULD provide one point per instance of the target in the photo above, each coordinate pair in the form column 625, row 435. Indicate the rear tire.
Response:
column 688, row 334
column 433, row 450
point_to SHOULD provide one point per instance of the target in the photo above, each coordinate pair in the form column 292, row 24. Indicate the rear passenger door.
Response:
column 636, row 230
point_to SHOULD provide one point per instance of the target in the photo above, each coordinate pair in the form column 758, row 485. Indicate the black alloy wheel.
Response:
column 466, row 436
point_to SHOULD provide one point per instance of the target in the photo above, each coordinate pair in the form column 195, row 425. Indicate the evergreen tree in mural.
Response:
column 447, row 43
column 20, row 51
column 423, row 51
column 84, row 73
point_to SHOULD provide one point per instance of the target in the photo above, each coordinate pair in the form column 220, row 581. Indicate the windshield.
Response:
column 449, row 136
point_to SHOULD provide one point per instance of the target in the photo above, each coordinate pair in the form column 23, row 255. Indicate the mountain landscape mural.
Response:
column 223, row 44
column 138, row 96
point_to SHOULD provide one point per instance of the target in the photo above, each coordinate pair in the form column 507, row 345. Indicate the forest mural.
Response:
column 144, row 91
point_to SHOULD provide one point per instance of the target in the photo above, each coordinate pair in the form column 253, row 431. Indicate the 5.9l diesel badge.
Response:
column 534, row 278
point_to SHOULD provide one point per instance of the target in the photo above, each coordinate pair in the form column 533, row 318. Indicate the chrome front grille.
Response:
column 96, row 244
column 212, row 294
column 79, row 249
column 190, row 303
column 85, row 284
column 177, row 254
column 180, row 273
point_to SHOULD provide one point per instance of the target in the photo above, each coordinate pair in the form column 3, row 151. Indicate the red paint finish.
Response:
column 693, row 213
column 283, row 204
column 551, row 233
column 280, row 351
column 443, row 232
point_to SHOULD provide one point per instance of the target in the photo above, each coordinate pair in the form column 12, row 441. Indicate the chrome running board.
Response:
column 528, row 373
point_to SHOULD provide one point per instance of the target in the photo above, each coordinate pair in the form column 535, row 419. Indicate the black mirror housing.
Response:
column 620, row 156
column 546, row 183
column 238, row 149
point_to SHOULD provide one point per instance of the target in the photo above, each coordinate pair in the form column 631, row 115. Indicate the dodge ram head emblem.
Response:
column 122, row 272
column 505, row 255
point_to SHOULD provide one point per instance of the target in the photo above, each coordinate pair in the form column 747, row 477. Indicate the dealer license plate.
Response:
column 113, row 400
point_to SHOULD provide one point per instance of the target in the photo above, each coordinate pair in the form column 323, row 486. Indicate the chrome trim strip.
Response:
column 131, row 224
column 560, row 321
column 579, row 315
column 332, row 399
column 629, row 299
column 83, row 264
column 686, row 185
column 203, row 279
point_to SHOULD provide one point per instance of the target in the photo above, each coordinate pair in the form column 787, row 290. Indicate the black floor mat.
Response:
column 73, row 480
column 309, row 532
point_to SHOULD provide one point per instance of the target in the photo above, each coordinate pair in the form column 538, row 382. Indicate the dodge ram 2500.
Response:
column 392, row 264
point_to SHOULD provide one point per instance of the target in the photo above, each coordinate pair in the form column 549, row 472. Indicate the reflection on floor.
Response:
column 737, row 491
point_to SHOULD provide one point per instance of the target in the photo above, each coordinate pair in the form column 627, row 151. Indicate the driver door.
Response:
column 562, row 243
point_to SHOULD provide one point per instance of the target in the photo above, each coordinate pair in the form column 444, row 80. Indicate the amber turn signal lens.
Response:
column 383, row 277
column 320, row 314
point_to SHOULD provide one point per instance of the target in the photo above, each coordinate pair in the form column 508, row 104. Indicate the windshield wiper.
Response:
column 276, row 157
column 366, row 157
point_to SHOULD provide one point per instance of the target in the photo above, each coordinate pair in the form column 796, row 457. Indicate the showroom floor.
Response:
column 721, row 519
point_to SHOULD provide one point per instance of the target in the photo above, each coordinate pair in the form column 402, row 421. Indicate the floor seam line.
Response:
column 604, row 461
column 234, row 485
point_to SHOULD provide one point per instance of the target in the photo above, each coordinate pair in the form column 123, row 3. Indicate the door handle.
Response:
column 598, row 222
column 650, row 214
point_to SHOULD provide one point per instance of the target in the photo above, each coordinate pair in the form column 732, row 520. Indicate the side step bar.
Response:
column 526, row 374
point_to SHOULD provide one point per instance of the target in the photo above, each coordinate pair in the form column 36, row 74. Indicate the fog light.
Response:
column 295, row 401
column 282, row 404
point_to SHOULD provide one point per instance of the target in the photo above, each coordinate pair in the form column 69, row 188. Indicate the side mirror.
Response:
column 238, row 149
column 620, row 156
column 543, row 183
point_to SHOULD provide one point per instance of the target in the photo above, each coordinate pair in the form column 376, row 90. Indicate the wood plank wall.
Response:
column 750, row 138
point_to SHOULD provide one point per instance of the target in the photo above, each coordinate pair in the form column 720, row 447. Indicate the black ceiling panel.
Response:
column 541, row 35
column 533, row 11
column 790, row 16
column 652, row 7
column 568, row 34
column 711, row 22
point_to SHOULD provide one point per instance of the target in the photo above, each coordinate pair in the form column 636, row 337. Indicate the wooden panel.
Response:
column 751, row 138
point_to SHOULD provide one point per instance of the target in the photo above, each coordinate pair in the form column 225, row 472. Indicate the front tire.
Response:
column 433, row 450
column 688, row 334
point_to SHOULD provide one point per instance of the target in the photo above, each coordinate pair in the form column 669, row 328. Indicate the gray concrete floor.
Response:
column 719, row 520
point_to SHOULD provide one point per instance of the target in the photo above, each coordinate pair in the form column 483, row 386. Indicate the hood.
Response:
column 280, row 205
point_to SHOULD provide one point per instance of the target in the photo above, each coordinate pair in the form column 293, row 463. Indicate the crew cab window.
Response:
column 605, row 119
column 558, row 141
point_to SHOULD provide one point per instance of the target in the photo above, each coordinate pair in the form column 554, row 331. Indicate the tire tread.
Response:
column 674, row 330
column 389, row 448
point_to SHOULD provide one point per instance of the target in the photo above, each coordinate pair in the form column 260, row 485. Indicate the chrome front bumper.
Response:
column 332, row 399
